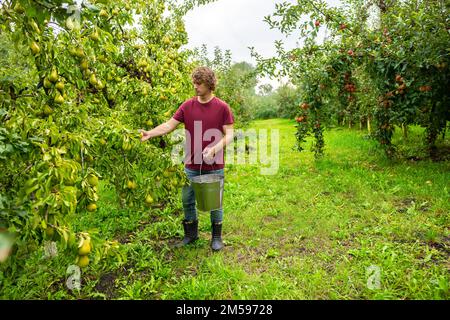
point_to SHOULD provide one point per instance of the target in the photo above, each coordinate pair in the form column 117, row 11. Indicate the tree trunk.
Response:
column 405, row 131
column 369, row 127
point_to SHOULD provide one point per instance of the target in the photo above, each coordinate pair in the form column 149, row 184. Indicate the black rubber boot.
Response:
column 216, row 241
column 190, row 232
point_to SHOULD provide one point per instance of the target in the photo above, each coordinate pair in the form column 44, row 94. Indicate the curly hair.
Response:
column 204, row 75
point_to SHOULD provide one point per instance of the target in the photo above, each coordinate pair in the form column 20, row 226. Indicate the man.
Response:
column 203, row 116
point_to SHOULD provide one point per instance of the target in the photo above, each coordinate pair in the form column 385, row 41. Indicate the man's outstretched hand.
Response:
column 145, row 135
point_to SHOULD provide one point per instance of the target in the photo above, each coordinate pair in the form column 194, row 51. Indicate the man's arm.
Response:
column 160, row 130
column 210, row 153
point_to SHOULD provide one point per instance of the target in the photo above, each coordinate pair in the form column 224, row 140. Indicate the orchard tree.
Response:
column 76, row 82
column 389, row 66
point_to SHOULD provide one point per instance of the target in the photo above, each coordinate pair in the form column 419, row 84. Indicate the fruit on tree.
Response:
column 94, row 35
column 93, row 180
column 166, row 40
column 60, row 86
column 91, row 207
column 149, row 199
column 47, row 83
column 103, row 13
column 35, row 27
column 93, row 79
column 59, row 99
column 53, row 75
column 79, row 52
column 398, row 78
column 84, row 64
column 83, row 261
column 35, row 48
column 47, row 110
column 85, row 248
column 100, row 85
column 131, row 185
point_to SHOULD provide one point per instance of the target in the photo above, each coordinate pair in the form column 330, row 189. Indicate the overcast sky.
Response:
column 234, row 25
column 237, row 25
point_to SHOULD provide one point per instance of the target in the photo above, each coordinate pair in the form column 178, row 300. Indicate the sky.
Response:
column 237, row 25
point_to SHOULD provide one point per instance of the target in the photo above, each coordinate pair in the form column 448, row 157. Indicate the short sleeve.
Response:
column 228, row 115
column 179, row 114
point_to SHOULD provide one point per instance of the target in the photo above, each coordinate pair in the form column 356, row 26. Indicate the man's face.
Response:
column 200, row 89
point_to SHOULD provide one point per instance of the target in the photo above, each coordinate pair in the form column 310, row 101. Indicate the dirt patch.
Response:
column 256, row 260
column 59, row 285
column 434, row 154
column 106, row 285
column 440, row 154
column 443, row 246
column 350, row 194
column 402, row 205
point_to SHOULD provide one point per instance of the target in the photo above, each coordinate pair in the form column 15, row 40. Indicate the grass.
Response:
column 314, row 230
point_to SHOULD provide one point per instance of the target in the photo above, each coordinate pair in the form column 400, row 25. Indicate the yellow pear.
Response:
column 35, row 48
column 80, row 52
column 83, row 261
column 148, row 199
column 59, row 99
column 53, row 75
column 93, row 79
column 84, row 64
column 86, row 248
column 48, row 111
column 95, row 36
column 47, row 83
column 35, row 27
column 131, row 184
column 91, row 207
column 60, row 86
column 93, row 180
column 100, row 85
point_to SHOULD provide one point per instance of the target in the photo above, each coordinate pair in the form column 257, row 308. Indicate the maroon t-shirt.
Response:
column 204, row 125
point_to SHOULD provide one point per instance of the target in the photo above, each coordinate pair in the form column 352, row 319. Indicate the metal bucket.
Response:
column 208, row 189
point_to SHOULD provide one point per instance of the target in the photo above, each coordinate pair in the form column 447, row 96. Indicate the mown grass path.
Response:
column 351, row 225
